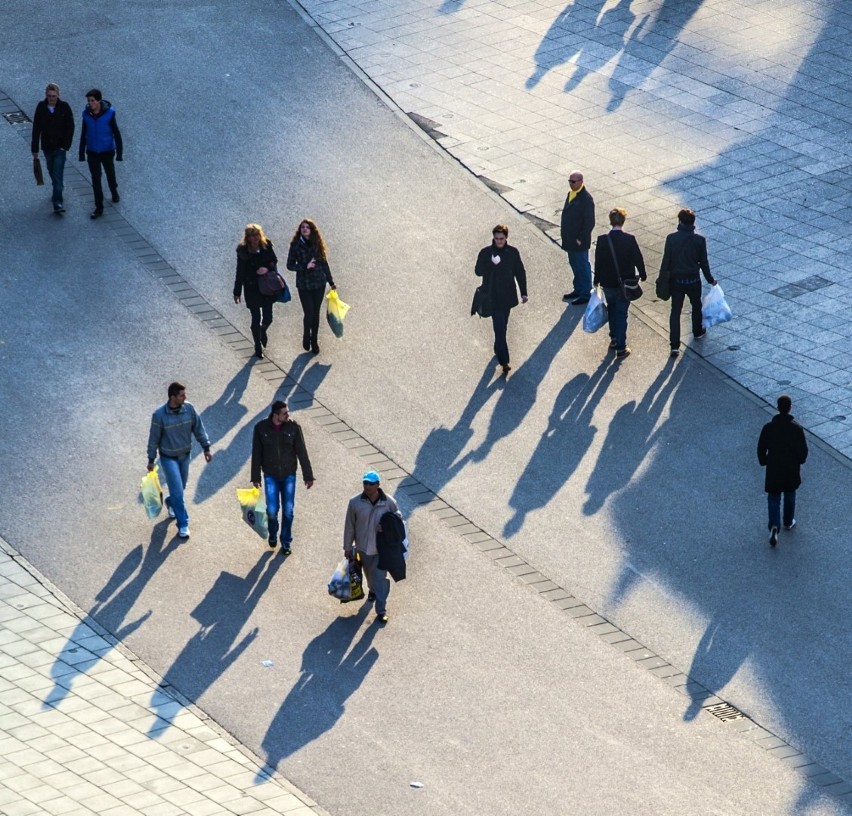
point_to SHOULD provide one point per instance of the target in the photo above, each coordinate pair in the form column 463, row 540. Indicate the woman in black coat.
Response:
column 308, row 259
column 255, row 257
column 502, row 272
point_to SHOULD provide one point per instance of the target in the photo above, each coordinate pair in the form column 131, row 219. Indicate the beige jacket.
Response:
column 362, row 519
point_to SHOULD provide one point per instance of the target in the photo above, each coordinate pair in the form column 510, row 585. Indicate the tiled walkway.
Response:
column 81, row 728
column 740, row 109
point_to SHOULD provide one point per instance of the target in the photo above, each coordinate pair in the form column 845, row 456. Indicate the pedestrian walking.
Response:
column 53, row 129
column 278, row 446
column 255, row 257
column 308, row 258
column 100, row 144
column 578, row 221
column 684, row 261
column 502, row 272
column 363, row 517
column 782, row 449
column 172, row 427
column 618, row 259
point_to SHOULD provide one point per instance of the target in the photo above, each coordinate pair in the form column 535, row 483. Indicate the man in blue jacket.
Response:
column 100, row 143
column 53, row 127
column 172, row 427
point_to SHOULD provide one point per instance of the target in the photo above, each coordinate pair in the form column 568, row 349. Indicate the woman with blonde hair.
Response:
column 307, row 258
column 255, row 257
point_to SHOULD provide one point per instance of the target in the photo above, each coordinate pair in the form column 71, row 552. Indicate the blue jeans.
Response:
column 55, row 161
column 579, row 261
column 176, row 472
column 774, row 502
column 280, row 493
column 616, row 307
column 500, row 322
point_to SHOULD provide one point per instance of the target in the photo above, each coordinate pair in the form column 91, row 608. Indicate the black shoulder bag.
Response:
column 630, row 288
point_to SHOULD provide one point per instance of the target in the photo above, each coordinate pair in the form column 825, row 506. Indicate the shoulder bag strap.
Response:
column 615, row 262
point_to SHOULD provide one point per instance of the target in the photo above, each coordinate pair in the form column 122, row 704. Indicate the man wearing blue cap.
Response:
column 363, row 515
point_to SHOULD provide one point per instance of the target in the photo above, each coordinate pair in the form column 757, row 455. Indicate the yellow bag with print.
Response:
column 152, row 493
column 335, row 312
column 253, row 507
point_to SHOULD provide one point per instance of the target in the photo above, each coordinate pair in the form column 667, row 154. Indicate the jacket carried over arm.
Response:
column 172, row 431
column 298, row 257
column 245, row 280
column 578, row 221
column 630, row 261
column 276, row 452
column 685, row 255
column 782, row 449
column 99, row 133
column 362, row 519
column 499, row 279
column 54, row 130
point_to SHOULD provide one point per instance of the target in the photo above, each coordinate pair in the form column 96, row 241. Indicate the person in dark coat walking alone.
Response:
column 782, row 449
column 611, row 272
column 53, row 127
column 684, row 261
column 308, row 259
column 578, row 221
column 502, row 272
column 255, row 257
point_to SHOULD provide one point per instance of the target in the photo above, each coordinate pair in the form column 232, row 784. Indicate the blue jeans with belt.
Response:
column 280, row 495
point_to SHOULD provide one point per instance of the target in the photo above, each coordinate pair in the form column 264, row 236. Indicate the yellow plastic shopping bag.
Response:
column 152, row 493
column 335, row 312
column 253, row 507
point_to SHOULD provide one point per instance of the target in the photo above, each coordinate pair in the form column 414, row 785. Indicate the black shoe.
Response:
column 315, row 348
column 273, row 541
column 382, row 618
column 612, row 344
column 306, row 341
column 699, row 336
column 773, row 536
column 96, row 214
column 59, row 208
column 258, row 352
column 568, row 297
column 625, row 352
column 506, row 369
column 791, row 525
column 675, row 352
column 579, row 301
column 371, row 596
column 116, row 197
column 285, row 549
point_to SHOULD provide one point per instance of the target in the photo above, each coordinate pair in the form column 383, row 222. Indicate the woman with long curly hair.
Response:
column 308, row 259
column 255, row 257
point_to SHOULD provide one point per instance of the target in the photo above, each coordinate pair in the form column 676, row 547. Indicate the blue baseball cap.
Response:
column 371, row 476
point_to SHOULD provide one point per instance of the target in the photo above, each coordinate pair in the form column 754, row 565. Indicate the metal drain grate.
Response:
column 725, row 712
column 17, row 118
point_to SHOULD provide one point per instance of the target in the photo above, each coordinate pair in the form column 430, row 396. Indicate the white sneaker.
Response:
column 183, row 532
column 171, row 511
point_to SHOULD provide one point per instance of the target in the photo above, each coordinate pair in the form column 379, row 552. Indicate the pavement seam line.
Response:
column 408, row 484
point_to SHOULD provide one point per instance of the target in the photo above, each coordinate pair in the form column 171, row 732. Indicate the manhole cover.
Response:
column 17, row 118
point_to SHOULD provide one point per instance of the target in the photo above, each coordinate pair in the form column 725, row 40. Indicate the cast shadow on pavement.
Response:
column 563, row 444
column 332, row 670
column 227, row 412
column 222, row 614
column 112, row 605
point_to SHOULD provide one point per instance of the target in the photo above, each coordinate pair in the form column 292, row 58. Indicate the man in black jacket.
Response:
column 578, row 221
column 617, row 258
column 684, row 260
column 277, row 445
column 53, row 126
column 782, row 449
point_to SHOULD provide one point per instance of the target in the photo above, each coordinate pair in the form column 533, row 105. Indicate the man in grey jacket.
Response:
column 172, row 427
column 363, row 514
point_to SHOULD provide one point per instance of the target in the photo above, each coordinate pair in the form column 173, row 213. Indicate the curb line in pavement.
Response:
column 420, row 496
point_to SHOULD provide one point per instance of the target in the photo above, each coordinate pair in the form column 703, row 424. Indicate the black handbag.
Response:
column 481, row 305
column 663, row 287
column 630, row 288
column 271, row 283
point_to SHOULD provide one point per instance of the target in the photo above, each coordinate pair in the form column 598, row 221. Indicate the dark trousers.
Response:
column 774, row 504
column 500, row 322
column 311, row 304
column 96, row 161
column 616, row 309
column 679, row 292
column 261, row 316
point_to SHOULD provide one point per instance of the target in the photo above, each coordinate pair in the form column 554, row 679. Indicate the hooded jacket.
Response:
column 99, row 132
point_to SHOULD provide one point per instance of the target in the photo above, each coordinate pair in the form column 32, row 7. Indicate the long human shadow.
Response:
column 649, row 44
column 520, row 390
column 563, row 444
column 333, row 668
column 222, row 614
column 227, row 411
column 112, row 605
column 630, row 437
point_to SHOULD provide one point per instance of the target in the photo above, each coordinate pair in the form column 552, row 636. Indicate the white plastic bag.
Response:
column 340, row 586
column 714, row 308
column 596, row 316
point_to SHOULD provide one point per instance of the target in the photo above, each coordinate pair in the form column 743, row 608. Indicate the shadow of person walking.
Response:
column 332, row 671
column 112, row 605
column 222, row 614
